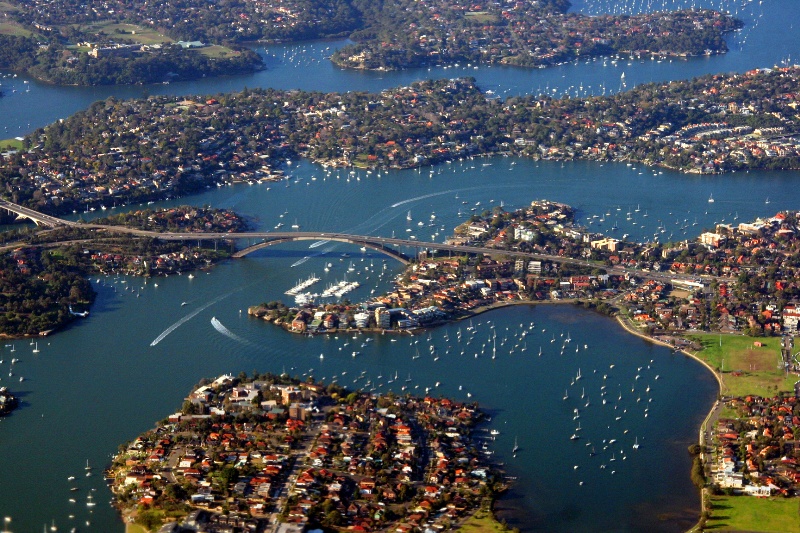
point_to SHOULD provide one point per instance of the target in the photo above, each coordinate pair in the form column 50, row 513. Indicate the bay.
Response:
column 100, row 382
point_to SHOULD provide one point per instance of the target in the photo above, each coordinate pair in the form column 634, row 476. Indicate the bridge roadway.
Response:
column 384, row 245
column 37, row 217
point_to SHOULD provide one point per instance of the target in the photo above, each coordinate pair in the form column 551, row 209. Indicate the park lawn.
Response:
column 482, row 522
column 131, row 33
column 10, row 28
column 5, row 7
column 14, row 144
column 216, row 51
column 746, row 513
column 482, row 17
column 135, row 528
column 746, row 368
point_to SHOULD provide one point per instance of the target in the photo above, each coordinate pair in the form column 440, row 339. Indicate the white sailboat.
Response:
column 516, row 446
column 711, row 198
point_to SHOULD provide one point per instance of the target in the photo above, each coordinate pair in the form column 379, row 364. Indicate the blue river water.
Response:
column 104, row 380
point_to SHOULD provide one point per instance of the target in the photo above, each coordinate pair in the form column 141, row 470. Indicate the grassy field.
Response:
column 9, row 28
column 130, row 33
column 217, row 51
column 746, row 368
column 482, row 17
column 482, row 522
column 135, row 528
column 10, row 143
column 5, row 7
column 745, row 513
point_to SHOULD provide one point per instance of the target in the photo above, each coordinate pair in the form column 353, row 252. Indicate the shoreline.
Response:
column 701, row 430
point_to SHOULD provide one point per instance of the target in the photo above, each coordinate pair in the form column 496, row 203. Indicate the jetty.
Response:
column 302, row 285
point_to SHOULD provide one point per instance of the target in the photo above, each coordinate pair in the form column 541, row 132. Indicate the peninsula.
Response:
column 734, row 278
column 162, row 146
column 527, row 34
column 123, row 43
column 44, row 283
column 251, row 451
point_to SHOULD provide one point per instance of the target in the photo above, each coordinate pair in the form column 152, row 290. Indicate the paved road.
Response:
column 363, row 240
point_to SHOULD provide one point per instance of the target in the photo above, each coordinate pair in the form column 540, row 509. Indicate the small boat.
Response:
column 516, row 446
column 711, row 199
column 636, row 444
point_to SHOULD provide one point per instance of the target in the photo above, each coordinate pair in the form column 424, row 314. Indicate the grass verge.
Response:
column 482, row 522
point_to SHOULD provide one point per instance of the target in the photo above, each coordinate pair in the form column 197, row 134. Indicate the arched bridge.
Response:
column 40, row 219
column 358, row 240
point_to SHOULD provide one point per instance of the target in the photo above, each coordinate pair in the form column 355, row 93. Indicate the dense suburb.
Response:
column 65, row 42
column 162, row 146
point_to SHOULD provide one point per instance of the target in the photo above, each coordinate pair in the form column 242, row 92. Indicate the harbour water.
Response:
column 101, row 382
column 106, row 379
column 130, row 363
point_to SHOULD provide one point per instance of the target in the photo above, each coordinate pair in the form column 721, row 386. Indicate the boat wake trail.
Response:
column 185, row 319
column 424, row 196
column 451, row 191
column 225, row 331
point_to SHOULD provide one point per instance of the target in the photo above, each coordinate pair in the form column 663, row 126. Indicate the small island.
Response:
column 8, row 402
column 250, row 452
